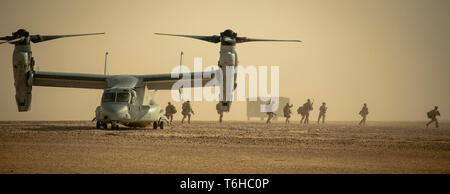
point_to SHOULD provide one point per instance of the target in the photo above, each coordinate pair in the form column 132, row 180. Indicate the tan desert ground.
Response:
column 229, row 147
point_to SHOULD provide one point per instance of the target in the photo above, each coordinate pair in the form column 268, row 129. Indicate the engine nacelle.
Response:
column 228, row 63
column 23, row 64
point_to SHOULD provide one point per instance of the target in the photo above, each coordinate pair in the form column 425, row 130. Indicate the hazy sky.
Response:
column 393, row 54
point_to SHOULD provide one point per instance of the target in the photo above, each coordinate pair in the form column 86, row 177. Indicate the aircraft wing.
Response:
column 70, row 80
column 166, row 81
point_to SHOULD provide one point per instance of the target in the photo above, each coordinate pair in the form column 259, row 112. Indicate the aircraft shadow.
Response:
column 75, row 128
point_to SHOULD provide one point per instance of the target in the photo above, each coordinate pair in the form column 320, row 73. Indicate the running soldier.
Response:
column 364, row 112
column 307, row 107
column 270, row 115
column 323, row 111
column 187, row 110
column 301, row 111
column 170, row 111
column 287, row 111
column 432, row 114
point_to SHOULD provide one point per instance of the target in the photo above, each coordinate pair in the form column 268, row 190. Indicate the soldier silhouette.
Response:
column 187, row 110
column 170, row 111
column 432, row 114
column 287, row 111
column 364, row 112
column 323, row 111
column 270, row 113
column 301, row 111
column 307, row 107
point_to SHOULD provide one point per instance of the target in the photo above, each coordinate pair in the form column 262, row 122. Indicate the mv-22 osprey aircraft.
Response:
column 127, row 99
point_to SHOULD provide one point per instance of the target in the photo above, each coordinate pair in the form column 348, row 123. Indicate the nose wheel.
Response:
column 159, row 123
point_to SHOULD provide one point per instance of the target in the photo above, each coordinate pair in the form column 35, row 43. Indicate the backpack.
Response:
column 430, row 114
column 174, row 110
column 300, row 110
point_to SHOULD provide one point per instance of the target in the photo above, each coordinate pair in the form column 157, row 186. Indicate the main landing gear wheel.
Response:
column 105, row 125
column 114, row 126
column 98, row 125
column 155, row 125
column 161, row 125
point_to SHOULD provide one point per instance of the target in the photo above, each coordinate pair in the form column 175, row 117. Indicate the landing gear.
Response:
column 161, row 124
column 105, row 125
column 158, row 123
column 114, row 126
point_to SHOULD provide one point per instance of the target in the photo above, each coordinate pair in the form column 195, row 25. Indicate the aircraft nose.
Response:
column 116, row 111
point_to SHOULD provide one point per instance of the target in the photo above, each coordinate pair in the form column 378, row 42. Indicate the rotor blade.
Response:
column 13, row 40
column 6, row 38
column 213, row 39
column 39, row 38
column 245, row 39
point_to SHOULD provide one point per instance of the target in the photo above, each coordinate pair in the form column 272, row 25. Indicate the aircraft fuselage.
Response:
column 130, row 106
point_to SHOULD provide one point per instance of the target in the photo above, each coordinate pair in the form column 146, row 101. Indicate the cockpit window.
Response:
column 123, row 97
column 112, row 96
column 109, row 97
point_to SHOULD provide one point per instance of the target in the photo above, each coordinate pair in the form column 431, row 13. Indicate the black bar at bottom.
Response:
column 257, row 183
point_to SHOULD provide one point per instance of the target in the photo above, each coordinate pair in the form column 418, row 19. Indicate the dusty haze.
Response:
column 394, row 55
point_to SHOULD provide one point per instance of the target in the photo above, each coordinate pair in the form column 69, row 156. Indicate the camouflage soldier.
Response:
column 270, row 115
column 307, row 107
column 323, row 111
column 219, row 111
column 432, row 114
column 187, row 110
column 170, row 111
column 364, row 112
column 287, row 111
